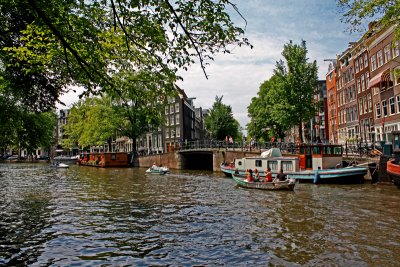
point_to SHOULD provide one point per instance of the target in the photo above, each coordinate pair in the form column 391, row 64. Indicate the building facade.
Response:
column 367, row 89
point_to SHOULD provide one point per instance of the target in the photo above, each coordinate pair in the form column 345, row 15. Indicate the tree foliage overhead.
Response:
column 287, row 99
column 220, row 121
column 357, row 12
column 47, row 45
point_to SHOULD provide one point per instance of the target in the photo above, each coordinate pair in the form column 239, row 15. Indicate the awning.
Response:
column 382, row 76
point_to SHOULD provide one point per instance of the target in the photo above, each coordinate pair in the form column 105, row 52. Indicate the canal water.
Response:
column 85, row 216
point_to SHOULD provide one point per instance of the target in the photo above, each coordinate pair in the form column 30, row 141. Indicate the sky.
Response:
column 270, row 25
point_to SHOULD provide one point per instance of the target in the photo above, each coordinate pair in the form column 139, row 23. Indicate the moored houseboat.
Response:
column 313, row 163
column 104, row 159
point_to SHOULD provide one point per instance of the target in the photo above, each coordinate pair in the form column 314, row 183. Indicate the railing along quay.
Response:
column 359, row 149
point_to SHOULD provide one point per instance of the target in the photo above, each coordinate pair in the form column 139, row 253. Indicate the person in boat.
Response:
column 256, row 175
column 249, row 176
column 268, row 176
column 154, row 166
column 281, row 176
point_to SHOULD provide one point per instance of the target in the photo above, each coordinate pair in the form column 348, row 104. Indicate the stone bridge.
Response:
column 194, row 159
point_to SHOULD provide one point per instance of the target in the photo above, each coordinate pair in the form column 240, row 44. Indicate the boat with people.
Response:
column 287, row 184
column 313, row 163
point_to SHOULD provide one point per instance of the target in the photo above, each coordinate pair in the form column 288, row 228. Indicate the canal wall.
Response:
column 176, row 160
column 171, row 160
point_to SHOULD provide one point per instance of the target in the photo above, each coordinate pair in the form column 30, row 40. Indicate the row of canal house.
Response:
column 183, row 122
column 363, row 91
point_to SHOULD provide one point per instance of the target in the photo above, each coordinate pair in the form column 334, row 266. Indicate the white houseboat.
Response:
column 313, row 163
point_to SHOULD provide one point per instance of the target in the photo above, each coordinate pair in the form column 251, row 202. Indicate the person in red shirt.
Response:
column 268, row 176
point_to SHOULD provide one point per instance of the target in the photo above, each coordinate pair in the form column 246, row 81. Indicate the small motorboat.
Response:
column 158, row 170
column 59, row 165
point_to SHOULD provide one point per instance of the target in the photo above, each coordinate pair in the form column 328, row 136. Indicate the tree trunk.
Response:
column 301, row 131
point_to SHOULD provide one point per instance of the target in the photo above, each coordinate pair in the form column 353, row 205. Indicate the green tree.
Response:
column 356, row 13
column 289, row 94
column 22, row 129
column 93, row 121
column 220, row 121
column 47, row 45
column 263, row 124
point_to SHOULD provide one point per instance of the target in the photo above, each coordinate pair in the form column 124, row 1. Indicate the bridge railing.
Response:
column 361, row 150
column 240, row 146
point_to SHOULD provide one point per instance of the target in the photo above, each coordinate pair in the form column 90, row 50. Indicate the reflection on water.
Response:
column 85, row 216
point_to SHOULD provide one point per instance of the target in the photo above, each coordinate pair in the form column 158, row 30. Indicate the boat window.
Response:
column 273, row 165
column 316, row 150
column 327, row 150
column 258, row 163
column 239, row 163
column 337, row 150
column 113, row 156
column 287, row 165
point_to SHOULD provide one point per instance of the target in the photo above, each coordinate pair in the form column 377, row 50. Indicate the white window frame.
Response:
column 378, row 112
column 373, row 62
column 384, row 107
column 392, row 105
column 387, row 54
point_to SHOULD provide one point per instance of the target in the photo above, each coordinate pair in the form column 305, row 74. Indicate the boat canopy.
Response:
column 271, row 153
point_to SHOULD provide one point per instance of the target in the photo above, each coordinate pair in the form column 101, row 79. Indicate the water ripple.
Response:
column 124, row 217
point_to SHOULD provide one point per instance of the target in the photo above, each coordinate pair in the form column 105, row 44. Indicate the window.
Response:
column 166, row 110
column 172, row 110
column 369, row 103
column 379, row 56
column 360, row 106
column 366, row 79
column 358, row 85
column 384, row 108
column 387, row 53
column 398, row 103
column 273, row 165
column 287, row 165
column 357, row 69
column 362, row 83
column 176, row 107
column 396, row 51
column 361, row 63
column 172, row 120
column 378, row 110
column 366, row 60
column 392, row 105
column 167, row 120
column 376, row 90
column 365, row 104
column 373, row 62
column 258, row 163
column 178, row 132
column 177, row 118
